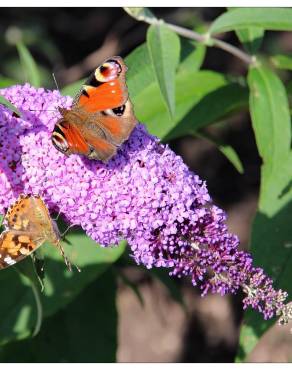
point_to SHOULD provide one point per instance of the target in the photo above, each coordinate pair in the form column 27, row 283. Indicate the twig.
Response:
column 207, row 40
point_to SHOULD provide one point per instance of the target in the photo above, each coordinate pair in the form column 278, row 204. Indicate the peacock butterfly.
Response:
column 101, row 117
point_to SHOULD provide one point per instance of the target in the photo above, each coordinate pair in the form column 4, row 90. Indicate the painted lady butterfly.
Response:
column 28, row 225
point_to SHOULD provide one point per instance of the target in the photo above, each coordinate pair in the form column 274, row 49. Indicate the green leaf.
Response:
column 9, row 105
column 6, row 81
column 276, row 19
column 140, row 73
column 17, row 308
column 144, row 91
column 251, row 38
column 289, row 88
column 271, row 237
column 270, row 115
column 72, row 89
column 141, row 14
column 27, row 269
column 226, row 150
column 225, row 98
column 232, row 156
column 282, row 61
column 164, row 50
column 85, row 332
column 60, row 285
column 191, row 89
column 192, row 55
column 31, row 72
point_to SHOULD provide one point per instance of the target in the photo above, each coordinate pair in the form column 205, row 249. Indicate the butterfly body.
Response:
column 28, row 225
column 101, row 117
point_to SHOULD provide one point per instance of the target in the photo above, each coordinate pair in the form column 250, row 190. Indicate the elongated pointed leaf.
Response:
column 27, row 269
column 30, row 69
column 226, row 150
column 282, row 61
column 270, row 115
column 9, row 105
column 277, row 19
column 191, row 87
column 164, row 50
column 251, row 38
column 270, row 245
column 17, row 307
column 224, row 99
column 192, row 55
column 271, row 232
column 140, row 73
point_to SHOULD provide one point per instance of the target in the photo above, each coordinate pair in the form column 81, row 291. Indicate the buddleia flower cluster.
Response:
column 145, row 194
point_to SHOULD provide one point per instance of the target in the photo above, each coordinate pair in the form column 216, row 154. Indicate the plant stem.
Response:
column 207, row 40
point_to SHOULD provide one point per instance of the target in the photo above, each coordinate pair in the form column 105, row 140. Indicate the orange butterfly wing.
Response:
column 106, row 96
column 69, row 139
column 14, row 247
column 28, row 226
column 117, row 128
column 101, row 148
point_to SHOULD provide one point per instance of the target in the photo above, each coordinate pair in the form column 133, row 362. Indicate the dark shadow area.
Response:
column 59, row 338
column 197, row 347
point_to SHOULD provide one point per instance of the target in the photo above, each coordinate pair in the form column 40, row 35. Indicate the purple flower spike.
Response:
column 145, row 194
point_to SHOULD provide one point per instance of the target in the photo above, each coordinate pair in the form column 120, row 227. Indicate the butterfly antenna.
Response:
column 54, row 78
column 65, row 232
column 58, row 215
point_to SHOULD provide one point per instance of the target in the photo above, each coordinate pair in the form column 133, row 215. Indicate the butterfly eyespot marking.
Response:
column 108, row 71
column 119, row 111
column 59, row 140
column 116, row 63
